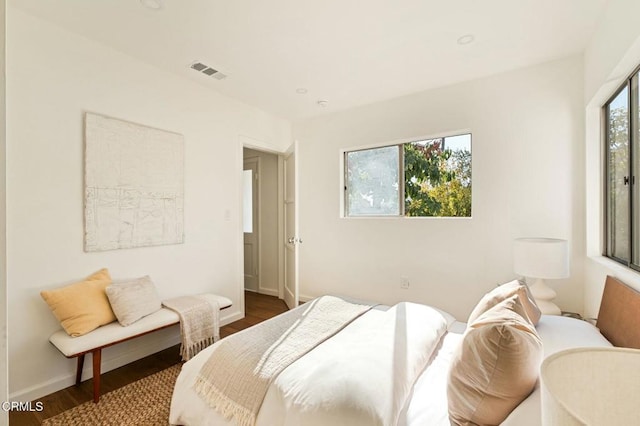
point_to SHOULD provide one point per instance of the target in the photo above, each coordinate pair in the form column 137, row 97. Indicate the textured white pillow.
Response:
column 132, row 300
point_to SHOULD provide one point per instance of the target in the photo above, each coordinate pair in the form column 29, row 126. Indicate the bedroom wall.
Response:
column 4, row 372
column 613, row 53
column 268, row 182
column 528, row 170
column 53, row 77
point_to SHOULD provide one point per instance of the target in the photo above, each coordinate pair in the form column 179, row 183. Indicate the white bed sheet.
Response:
column 380, row 355
column 557, row 333
column 428, row 403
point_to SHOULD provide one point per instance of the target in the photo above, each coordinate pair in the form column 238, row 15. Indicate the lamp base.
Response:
column 543, row 296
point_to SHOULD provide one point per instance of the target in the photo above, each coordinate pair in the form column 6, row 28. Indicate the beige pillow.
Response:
column 83, row 306
column 495, row 367
column 503, row 292
column 132, row 300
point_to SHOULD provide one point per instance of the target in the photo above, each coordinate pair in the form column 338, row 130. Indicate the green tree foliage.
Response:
column 618, row 203
column 437, row 181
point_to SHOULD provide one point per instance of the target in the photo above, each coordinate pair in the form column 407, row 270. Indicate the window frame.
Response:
column 633, row 201
column 345, row 179
column 344, row 203
column 608, row 237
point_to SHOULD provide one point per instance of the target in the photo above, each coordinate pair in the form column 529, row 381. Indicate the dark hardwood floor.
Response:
column 258, row 308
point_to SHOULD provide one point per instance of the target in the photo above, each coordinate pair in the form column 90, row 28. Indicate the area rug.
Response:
column 145, row 403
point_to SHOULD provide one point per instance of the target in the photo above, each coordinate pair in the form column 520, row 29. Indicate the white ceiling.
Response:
column 348, row 52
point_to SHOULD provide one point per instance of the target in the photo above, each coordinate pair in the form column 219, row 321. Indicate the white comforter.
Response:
column 362, row 376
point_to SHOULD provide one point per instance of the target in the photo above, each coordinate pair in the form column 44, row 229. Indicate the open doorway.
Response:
column 260, row 222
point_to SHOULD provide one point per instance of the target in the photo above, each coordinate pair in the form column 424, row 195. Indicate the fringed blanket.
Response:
column 199, row 323
column 236, row 377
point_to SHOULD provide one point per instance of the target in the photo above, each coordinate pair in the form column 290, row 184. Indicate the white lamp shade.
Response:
column 591, row 386
column 546, row 258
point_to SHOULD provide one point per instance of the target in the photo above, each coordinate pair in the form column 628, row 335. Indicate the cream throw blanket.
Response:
column 199, row 323
column 235, row 379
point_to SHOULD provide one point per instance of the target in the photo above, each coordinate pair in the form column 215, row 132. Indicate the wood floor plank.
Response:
column 258, row 307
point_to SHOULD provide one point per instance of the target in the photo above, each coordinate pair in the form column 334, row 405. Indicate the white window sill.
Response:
column 626, row 274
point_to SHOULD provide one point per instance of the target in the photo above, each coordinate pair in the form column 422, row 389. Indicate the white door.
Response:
column 291, row 238
column 250, row 224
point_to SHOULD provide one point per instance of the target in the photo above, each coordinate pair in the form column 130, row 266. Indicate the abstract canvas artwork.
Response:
column 134, row 185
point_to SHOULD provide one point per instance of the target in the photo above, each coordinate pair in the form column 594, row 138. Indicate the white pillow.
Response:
column 450, row 319
column 558, row 333
column 132, row 300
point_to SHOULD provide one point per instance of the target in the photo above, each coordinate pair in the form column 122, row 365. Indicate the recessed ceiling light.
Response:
column 466, row 39
column 152, row 4
column 323, row 103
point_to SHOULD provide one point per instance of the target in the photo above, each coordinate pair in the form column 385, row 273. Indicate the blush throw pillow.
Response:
column 83, row 306
column 495, row 367
column 132, row 300
column 503, row 292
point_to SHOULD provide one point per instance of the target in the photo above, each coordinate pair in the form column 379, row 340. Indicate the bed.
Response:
column 422, row 402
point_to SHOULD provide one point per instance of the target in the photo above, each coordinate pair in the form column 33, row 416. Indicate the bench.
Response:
column 112, row 334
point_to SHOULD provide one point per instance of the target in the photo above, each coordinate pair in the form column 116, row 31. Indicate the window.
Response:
column 247, row 201
column 429, row 177
column 622, row 145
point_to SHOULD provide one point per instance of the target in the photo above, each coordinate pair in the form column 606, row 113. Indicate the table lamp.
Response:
column 541, row 259
column 595, row 386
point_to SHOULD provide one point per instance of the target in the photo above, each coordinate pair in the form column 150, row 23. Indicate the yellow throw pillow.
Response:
column 83, row 306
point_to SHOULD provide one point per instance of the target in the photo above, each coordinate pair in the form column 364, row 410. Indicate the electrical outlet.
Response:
column 404, row 283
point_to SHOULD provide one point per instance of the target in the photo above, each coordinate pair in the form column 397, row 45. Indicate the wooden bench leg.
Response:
column 79, row 369
column 97, row 355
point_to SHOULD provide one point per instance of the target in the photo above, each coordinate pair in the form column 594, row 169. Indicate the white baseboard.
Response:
column 231, row 317
column 146, row 346
column 261, row 290
column 304, row 298
column 268, row 291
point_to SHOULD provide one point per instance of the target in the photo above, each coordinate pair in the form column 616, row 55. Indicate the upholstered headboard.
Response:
column 619, row 316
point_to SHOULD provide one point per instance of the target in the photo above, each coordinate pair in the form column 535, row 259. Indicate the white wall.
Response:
column 528, row 170
column 614, row 52
column 268, row 220
column 612, row 41
column 53, row 77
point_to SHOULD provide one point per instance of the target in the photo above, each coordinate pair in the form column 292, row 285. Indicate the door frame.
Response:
column 292, row 151
column 257, row 200
column 251, row 143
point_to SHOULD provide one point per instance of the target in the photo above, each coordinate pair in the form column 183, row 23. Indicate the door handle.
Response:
column 294, row 240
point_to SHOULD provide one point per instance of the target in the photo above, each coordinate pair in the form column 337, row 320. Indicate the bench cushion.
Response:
column 114, row 332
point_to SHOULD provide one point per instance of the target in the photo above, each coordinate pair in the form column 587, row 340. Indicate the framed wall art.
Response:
column 134, row 185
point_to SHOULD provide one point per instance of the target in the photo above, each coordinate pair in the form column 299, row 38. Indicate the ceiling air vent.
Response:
column 207, row 70
column 198, row 66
